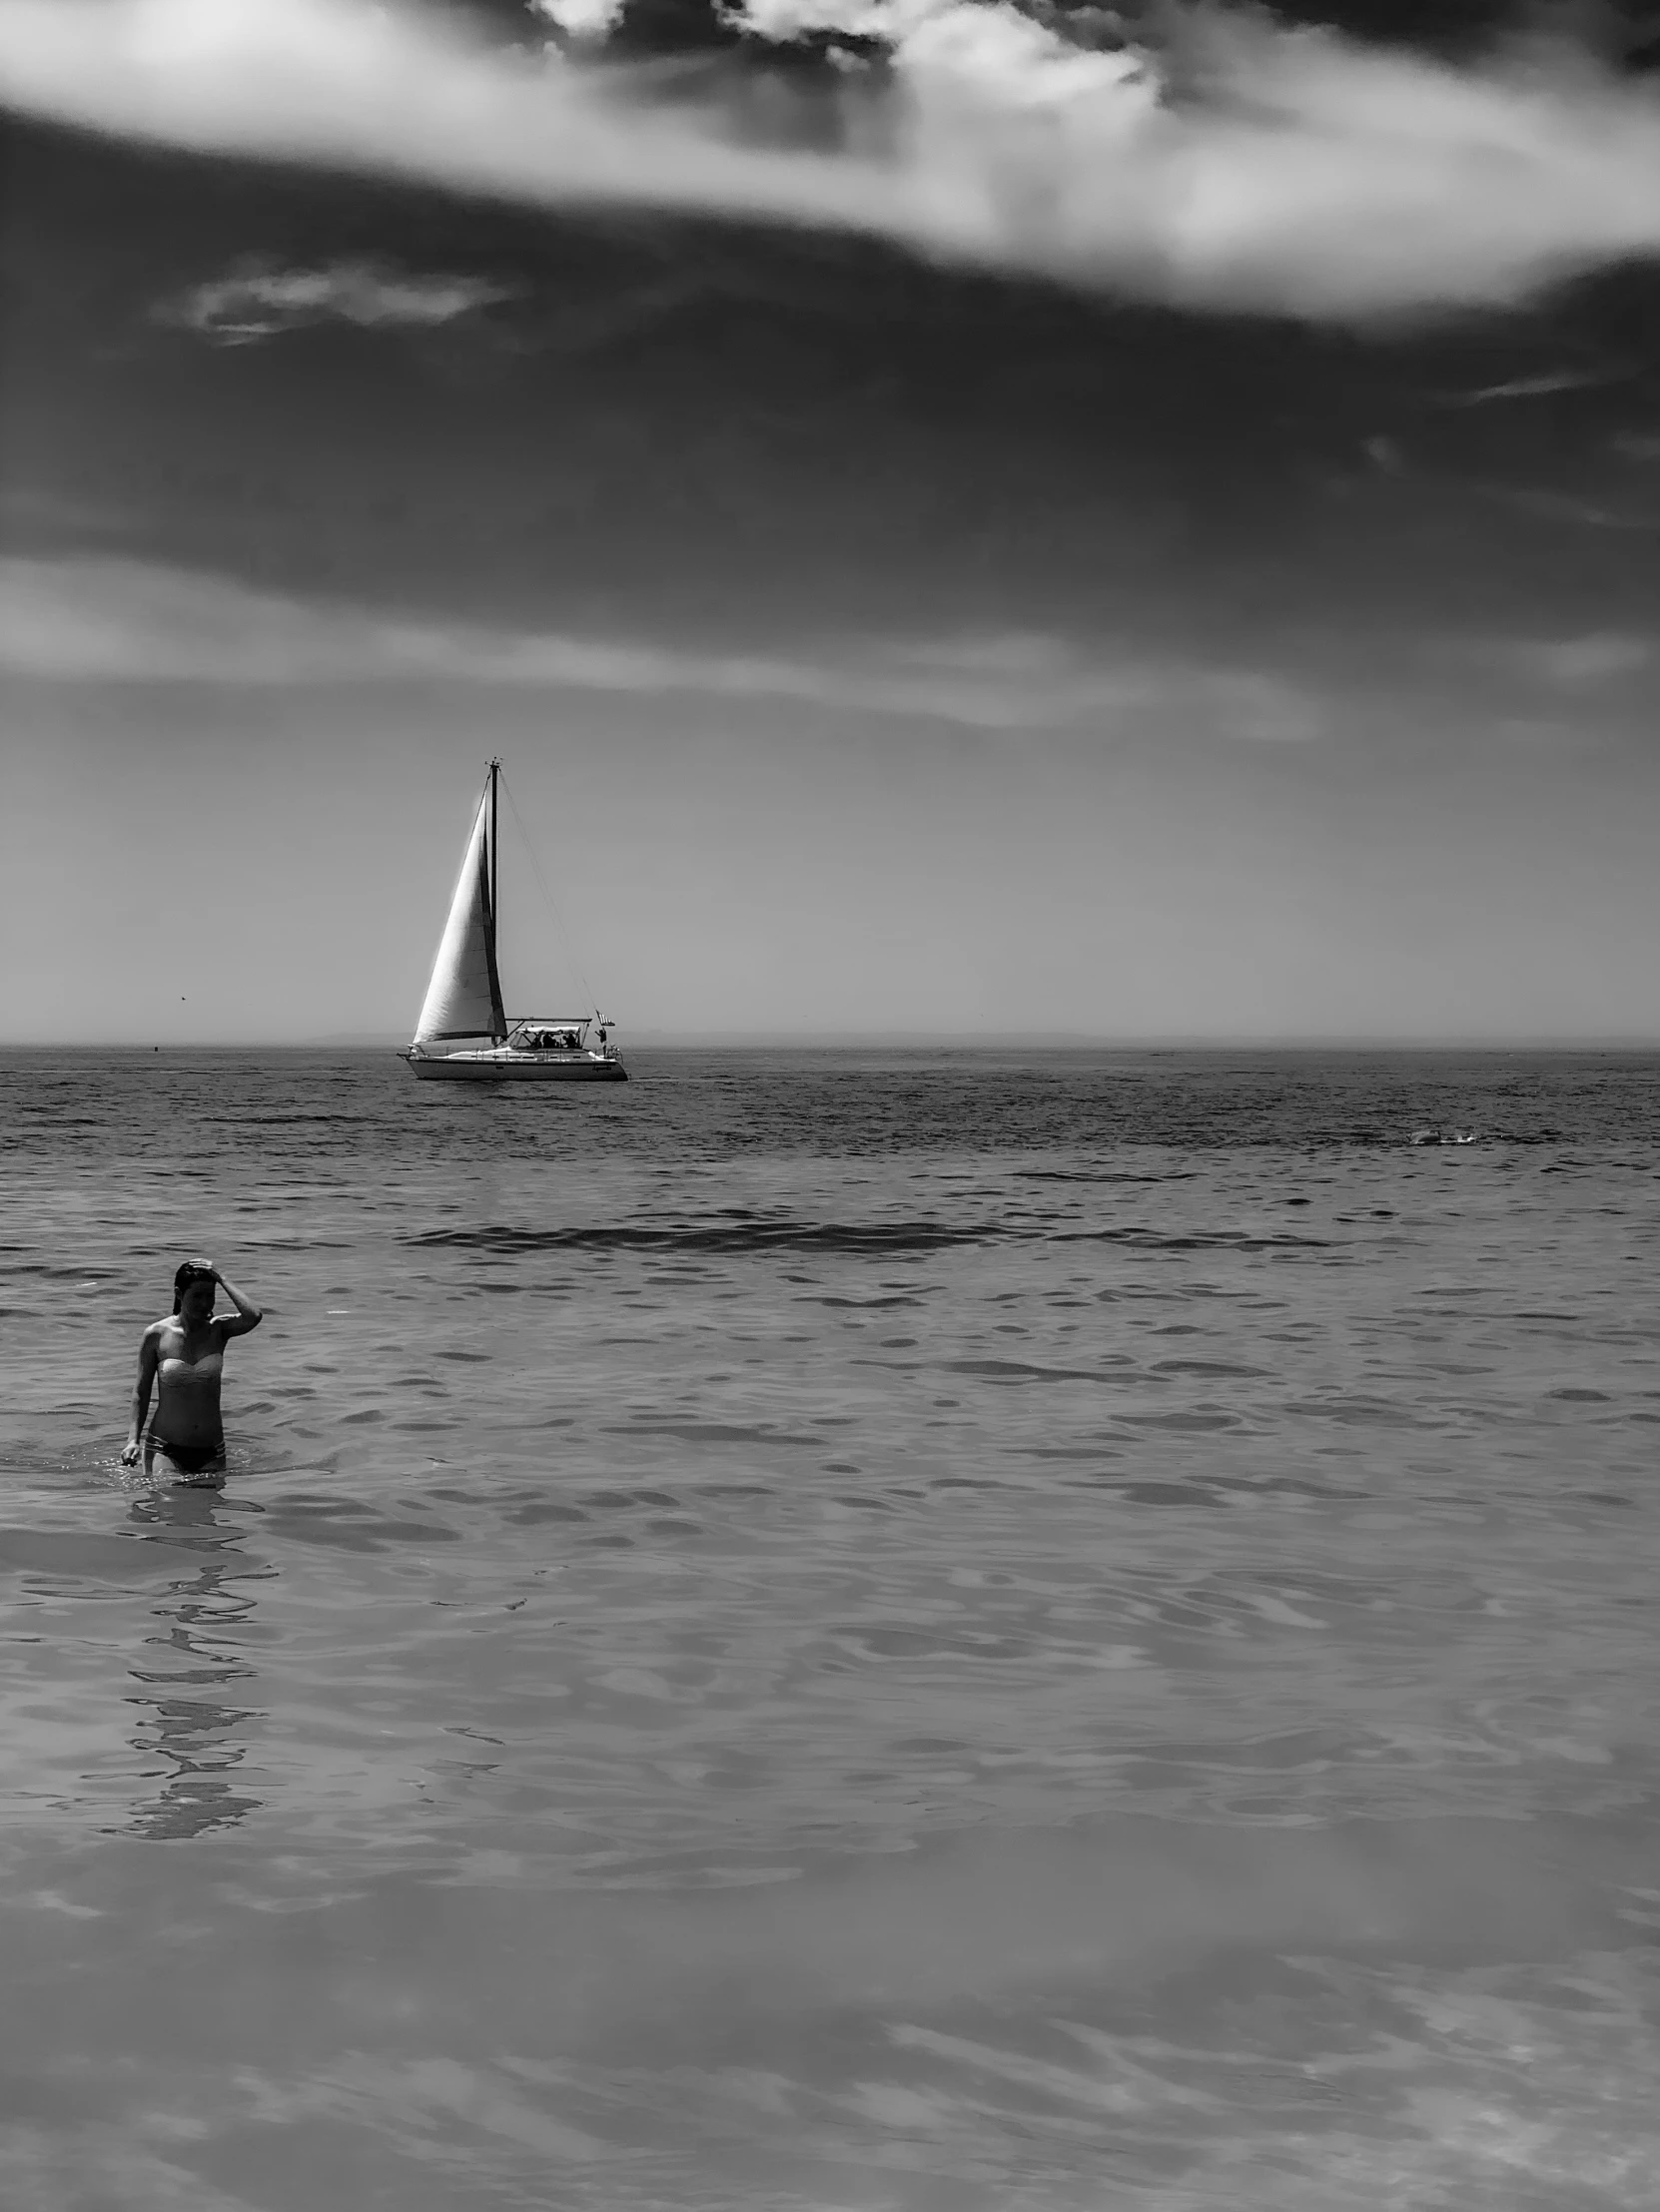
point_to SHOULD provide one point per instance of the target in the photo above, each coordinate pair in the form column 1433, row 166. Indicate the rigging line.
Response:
column 547, row 896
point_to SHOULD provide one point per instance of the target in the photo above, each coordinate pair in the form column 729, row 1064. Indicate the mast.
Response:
column 498, row 1032
column 495, row 855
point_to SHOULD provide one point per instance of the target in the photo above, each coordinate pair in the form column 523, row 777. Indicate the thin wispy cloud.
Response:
column 1295, row 172
column 1570, row 507
column 128, row 621
column 258, row 302
column 39, row 509
column 1543, row 387
column 1576, row 663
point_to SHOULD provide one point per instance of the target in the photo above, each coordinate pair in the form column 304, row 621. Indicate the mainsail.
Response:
column 463, row 997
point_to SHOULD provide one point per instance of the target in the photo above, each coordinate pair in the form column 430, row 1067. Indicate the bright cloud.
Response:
column 1294, row 171
column 580, row 18
column 259, row 303
column 67, row 619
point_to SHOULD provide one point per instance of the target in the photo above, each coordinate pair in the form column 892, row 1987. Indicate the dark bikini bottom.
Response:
column 190, row 1459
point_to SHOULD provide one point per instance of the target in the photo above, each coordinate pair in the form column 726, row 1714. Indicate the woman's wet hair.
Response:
column 193, row 1270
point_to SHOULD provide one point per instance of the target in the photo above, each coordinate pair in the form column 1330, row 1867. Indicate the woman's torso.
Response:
column 188, row 1372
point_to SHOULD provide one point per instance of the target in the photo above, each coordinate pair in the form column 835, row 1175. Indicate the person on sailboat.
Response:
column 182, row 1356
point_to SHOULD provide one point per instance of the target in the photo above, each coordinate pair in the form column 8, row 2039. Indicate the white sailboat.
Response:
column 465, row 1033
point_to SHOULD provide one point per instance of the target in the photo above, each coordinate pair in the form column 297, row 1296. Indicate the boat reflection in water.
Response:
column 465, row 1033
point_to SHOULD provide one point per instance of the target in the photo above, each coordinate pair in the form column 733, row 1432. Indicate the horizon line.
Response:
column 889, row 1040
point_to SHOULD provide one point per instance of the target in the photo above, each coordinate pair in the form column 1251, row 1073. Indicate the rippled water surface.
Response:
column 896, row 1631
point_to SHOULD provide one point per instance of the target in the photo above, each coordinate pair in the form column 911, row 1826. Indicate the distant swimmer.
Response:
column 183, row 1356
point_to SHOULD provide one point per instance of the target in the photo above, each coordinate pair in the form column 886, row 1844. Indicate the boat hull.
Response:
column 515, row 1067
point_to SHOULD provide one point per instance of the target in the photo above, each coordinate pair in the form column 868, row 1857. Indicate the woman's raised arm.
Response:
column 249, row 1316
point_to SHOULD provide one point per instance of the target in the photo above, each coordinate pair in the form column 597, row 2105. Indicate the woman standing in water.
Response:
column 183, row 1356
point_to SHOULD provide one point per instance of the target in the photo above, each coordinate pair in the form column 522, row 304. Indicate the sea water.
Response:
column 924, row 1630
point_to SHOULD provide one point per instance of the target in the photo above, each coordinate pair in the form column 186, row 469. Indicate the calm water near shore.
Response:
column 903, row 1630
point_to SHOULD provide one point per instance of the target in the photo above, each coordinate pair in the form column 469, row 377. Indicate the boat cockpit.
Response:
column 541, row 1036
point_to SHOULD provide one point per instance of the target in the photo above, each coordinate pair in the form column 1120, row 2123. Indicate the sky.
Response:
column 959, row 520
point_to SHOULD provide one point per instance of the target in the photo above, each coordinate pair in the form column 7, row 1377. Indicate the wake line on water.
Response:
column 876, row 1237
column 758, row 1236
column 283, row 1121
column 1198, row 1241
column 1089, row 1174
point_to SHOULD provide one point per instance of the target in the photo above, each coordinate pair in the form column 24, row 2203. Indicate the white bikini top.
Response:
column 208, row 1368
